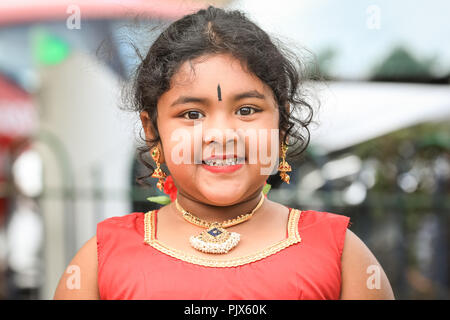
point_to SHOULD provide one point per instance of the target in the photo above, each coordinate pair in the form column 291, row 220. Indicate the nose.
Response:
column 220, row 133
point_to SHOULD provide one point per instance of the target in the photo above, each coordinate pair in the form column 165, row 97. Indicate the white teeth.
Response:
column 226, row 162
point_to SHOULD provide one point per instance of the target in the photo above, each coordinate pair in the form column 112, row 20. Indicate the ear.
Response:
column 149, row 131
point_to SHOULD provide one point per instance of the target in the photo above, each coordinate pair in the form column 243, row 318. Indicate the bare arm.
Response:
column 79, row 281
column 363, row 278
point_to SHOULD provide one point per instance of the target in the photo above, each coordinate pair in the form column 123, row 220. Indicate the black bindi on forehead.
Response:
column 219, row 93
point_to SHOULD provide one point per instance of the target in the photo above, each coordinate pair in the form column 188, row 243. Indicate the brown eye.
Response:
column 192, row 115
column 246, row 111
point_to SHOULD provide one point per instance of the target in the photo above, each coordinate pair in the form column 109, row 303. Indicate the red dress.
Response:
column 133, row 264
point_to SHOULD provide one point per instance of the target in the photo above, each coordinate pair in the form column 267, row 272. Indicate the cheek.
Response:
column 179, row 149
column 262, row 147
column 262, row 140
column 267, row 147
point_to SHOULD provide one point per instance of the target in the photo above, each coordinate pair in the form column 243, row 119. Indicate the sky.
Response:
column 363, row 32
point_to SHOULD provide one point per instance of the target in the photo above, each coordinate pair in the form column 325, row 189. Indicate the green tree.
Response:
column 401, row 65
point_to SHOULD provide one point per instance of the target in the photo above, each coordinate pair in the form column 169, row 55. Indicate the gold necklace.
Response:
column 216, row 239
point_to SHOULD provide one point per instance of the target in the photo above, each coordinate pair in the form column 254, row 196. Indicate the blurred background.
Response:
column 379, row 149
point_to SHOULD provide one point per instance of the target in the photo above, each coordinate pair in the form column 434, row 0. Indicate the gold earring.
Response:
column 158, row 173
column 284, row 166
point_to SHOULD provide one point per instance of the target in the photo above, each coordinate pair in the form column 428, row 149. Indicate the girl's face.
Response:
column 215, row 108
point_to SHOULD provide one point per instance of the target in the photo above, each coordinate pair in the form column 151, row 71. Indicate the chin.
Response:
column 222, row 197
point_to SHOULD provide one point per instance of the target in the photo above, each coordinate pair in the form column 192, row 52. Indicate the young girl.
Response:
column 208, row 79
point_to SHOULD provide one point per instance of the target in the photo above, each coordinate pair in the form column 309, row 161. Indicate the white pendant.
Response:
column 215, row 240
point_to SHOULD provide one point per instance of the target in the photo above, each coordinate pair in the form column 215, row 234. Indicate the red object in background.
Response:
column 18, row 116
column 3, row 200
column 26, row 11
column 18, row 120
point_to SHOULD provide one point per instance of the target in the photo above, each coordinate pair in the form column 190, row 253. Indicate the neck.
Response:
column 211, row 213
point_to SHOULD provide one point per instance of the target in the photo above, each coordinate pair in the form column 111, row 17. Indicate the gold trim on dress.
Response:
column 293, row 237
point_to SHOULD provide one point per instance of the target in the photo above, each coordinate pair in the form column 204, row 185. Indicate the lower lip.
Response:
column 222, row 169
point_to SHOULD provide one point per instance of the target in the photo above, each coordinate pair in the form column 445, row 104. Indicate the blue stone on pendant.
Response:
column 214, row 232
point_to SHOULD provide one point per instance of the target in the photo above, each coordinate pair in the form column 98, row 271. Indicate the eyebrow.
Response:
column 248, row 94
column 236, row 97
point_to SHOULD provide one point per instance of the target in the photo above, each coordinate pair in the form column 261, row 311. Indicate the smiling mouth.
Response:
column 224, row 162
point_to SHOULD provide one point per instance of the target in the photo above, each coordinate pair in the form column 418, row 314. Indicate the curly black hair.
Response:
column 217, row 31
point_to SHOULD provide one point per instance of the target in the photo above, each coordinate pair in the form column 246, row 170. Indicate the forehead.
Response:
column 203, row 74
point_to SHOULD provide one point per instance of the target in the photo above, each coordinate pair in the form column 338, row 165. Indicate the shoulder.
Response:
column 126, row 223
column 79, row 280
column 327, row 226
column 123, row 221
column 313, row 216
column 362, row 275
column 117, row 232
